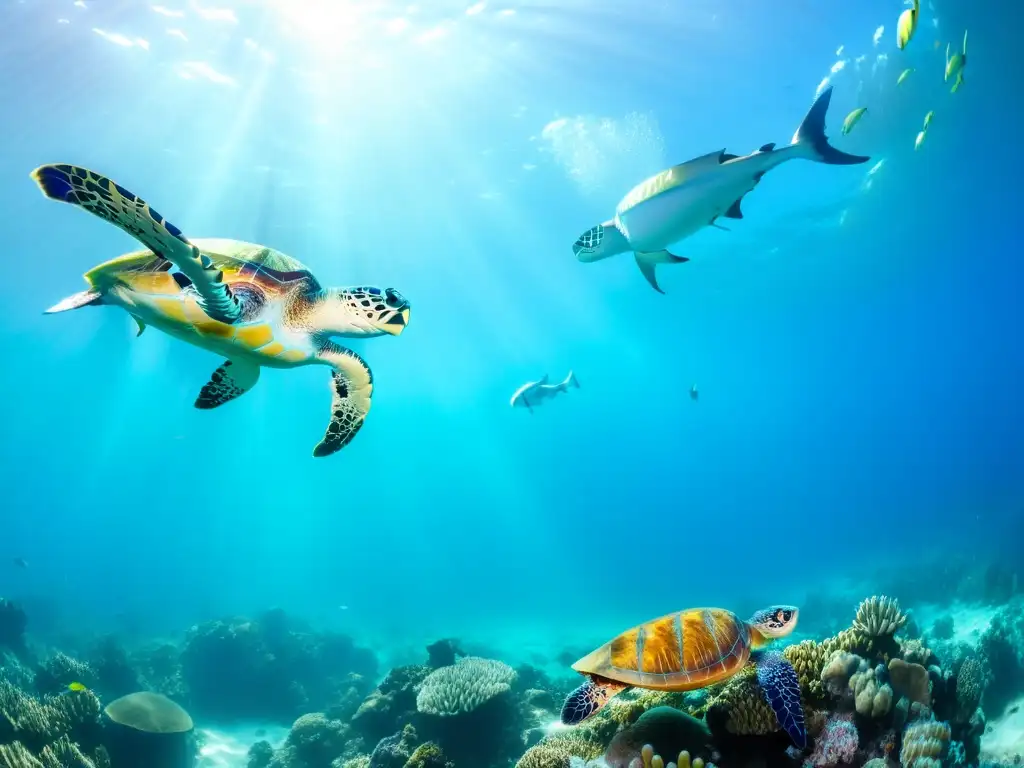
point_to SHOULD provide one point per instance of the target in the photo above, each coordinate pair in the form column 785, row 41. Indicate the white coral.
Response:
column 463, row 686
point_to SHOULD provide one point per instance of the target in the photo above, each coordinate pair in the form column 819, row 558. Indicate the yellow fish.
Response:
column 919, row 140
column 907, row 24
column 928, row 119
column 77, row 687
column 852, row 119
column 904, row 75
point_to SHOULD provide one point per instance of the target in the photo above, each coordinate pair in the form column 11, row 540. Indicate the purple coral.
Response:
column 837, row 744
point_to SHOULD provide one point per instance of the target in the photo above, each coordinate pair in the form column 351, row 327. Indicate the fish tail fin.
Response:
column 811, row 135
column 570, row 381
column 76, row 300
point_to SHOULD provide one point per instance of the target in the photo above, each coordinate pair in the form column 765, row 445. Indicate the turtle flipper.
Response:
column 781, row 689
column 234, row 378
column 352, row 389
column 587, row 700
column 115, row 204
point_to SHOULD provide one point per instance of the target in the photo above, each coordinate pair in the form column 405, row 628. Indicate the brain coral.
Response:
column 463, row 686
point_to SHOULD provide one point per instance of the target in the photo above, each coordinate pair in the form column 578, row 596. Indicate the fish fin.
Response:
column 957, row 83
column 767, row 147
column 811, row 134
column 734, row 211
column 726, row 157
column 716, row 225
column 543, row 379
column 965, row 46
column 647, row 261
column 138, row 322
column 571, row 379
column 75, row 301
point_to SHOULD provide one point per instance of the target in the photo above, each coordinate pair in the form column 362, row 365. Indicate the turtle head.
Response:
column 361, row 311
column 600, row 242
column 775, row 621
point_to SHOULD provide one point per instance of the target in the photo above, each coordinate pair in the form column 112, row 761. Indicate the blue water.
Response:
column 855, row 338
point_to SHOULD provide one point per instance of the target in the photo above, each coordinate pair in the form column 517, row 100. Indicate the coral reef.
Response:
column 877, row 693
column 268, row 669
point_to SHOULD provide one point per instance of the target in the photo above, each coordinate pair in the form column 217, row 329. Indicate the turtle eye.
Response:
column 785, row 615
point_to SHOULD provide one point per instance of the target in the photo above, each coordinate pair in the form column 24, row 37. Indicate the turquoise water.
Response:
column 854, row 338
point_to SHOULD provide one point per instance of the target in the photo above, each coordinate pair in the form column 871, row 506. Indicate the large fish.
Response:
column 678, row 202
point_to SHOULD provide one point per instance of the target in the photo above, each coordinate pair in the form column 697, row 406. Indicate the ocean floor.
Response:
column 970, row 620
column 1004, row 738
column 229, row 747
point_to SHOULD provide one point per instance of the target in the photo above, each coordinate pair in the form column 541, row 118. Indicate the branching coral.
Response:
column 463, row 686
column 59, row 671
column 879, row 617
column 556, row 750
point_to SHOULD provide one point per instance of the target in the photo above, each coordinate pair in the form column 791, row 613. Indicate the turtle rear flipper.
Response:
column 76, row 300
column 231, row 380
column 115, row 204
column 781, row 689
column 351, row 398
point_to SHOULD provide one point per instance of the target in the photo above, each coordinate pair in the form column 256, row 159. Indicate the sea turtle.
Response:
column 252, row 304
column 689, row 650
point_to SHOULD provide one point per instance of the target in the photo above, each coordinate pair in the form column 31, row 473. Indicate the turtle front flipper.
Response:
column 115, row 204
column 352, row 390
column 588, row 699
column 231, row 380
column 781, row 689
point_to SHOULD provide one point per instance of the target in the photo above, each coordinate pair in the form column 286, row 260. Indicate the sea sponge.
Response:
column 910, row 680
column 555, row 751
column 463, row 686
column 669, row 731
column 925, row 744
column 879, row 617
column 650, row 759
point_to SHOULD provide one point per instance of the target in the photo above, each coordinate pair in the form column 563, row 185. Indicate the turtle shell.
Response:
column 679, row 652
column 162, row 297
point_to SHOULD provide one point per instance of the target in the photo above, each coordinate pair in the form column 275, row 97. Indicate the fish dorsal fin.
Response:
column 704, row 163
column 767, row 147
column 543, row 379
column 734, row 211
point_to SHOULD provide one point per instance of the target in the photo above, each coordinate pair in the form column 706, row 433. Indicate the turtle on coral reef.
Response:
column 693, row 649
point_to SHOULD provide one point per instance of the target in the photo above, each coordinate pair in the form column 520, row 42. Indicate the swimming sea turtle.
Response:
column 689, row 650
column 249, row 303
